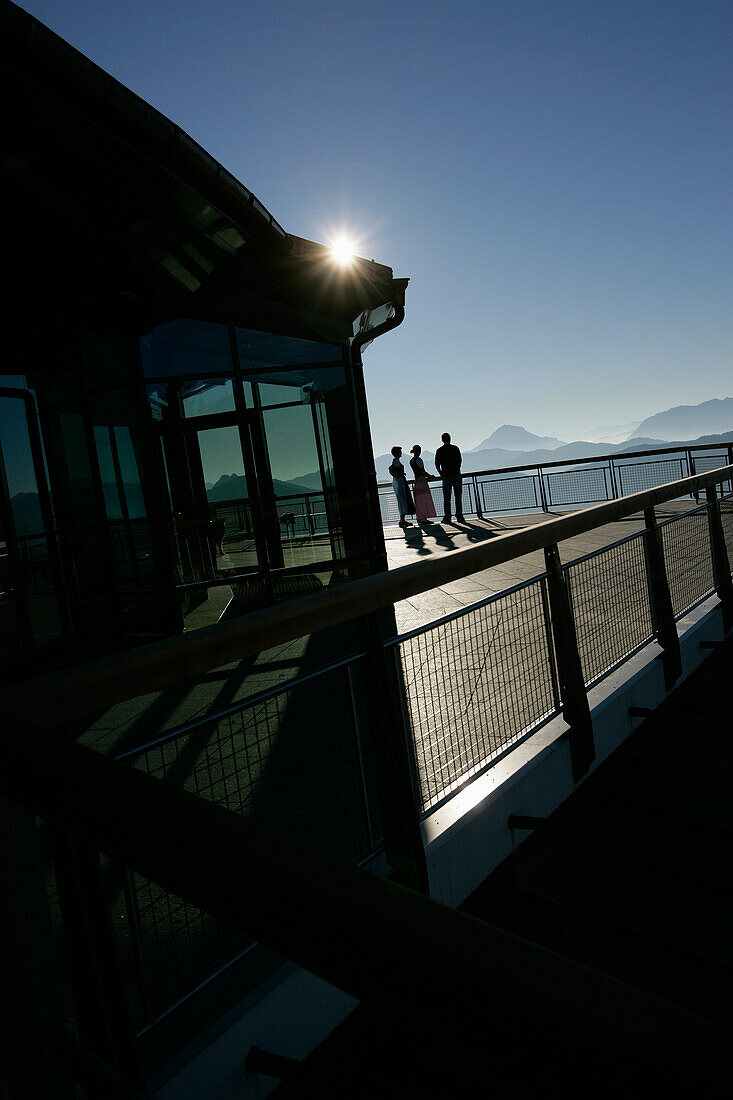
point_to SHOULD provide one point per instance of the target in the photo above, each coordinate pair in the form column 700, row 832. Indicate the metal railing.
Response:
column 571, row 482
column 480, row 680
column 267, row 760
column 354, row 754
column 379, row 941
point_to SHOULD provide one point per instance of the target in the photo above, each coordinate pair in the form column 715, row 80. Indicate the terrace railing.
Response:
column 571, row 482
column 353, row 755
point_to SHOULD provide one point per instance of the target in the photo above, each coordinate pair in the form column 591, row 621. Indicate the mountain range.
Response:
column 499, row 459
column 234, row 487
column 687, row 421
column 512, row 445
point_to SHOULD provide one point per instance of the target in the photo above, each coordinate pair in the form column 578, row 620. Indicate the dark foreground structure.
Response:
column 182, row 413
column 488, row 854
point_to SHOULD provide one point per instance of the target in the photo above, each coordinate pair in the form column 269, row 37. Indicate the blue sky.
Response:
column 555, row 178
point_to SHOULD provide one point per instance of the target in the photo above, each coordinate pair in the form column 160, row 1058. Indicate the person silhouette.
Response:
column 448, row 464
column 424, row 507
column 403, row 496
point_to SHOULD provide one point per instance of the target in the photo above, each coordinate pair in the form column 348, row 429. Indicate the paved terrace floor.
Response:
column 421, row 543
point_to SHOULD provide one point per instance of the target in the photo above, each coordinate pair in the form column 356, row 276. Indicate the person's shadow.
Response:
column 415, row 540
column 435, row 531
column 475, row 533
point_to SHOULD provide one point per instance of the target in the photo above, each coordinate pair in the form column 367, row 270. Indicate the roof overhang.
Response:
column 108, row 200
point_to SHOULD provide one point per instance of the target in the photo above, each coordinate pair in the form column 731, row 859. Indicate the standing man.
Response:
column 448, row 464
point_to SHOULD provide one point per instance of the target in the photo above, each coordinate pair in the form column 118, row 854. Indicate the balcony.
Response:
column 426, row 756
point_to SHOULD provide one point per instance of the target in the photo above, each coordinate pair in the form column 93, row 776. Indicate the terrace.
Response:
column 461, row 700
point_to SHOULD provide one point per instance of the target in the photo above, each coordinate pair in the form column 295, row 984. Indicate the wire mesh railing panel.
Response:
column 509, row 494
column 706, row 462
column 388, row 508
column 610, row 603
column 578, row 486
column 290, row 759
column 474, row 684
column 633, row 477
column 170, row 944
column 688, row 558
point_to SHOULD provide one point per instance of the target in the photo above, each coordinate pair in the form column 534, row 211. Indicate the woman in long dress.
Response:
column 424, row 506
column 405, row 503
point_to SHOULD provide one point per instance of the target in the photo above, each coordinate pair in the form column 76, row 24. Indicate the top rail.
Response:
column 619, row 456
column 74, row 692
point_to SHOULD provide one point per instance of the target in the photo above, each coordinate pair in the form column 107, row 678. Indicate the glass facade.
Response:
column 247, row 447
column 178, row 477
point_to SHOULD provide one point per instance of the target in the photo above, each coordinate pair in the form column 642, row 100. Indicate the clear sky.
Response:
column 555, row 178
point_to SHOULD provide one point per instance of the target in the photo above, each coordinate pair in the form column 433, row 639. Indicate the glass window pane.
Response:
column 291, row 446
column 204, row 397
column 298, row 383
column 19, row 469
column 186, row 347
column 222, row 462
column 35, row 578
column 258, row 349
column 230, row 531
column 207, row 398
column 112, row 504
column 279, row 395
column 131, row 483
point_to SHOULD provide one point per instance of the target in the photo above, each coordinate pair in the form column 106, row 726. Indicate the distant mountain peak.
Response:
column 512, row 437
column 689, row 421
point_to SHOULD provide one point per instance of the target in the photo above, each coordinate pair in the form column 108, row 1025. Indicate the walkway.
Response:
column 419, row 543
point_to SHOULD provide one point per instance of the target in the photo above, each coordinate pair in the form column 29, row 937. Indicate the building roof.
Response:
column 100, row 181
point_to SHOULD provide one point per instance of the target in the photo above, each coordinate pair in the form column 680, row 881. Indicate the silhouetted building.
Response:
column 182, row 415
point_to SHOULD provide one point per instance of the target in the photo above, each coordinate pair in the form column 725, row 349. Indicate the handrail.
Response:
column 74, row 692
column 375, row 939
column 727, row 443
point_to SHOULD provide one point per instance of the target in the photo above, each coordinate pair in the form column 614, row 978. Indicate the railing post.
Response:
column 721, row 562
column 543, row 495
column 614, row 486
column 692, row 470
column 557, row 701
column 403, row 842
column 570, row 671
column 660, row 600
column 479, row 513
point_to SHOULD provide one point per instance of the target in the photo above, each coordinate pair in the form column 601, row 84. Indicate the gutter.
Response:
column 363, row 338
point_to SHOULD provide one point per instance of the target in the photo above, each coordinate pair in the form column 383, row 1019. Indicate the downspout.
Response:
column 378, row 549
column 386, row 326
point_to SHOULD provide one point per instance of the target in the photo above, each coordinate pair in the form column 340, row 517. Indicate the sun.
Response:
column 342, row 250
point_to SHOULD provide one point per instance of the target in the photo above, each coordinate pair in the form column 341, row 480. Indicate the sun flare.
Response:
column 342, row 249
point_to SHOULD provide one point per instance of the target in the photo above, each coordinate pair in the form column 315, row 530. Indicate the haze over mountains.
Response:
column 511, row 445
column 687, row 421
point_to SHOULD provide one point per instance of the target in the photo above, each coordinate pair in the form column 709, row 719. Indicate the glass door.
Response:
column 209, row 492
column 230, row 530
